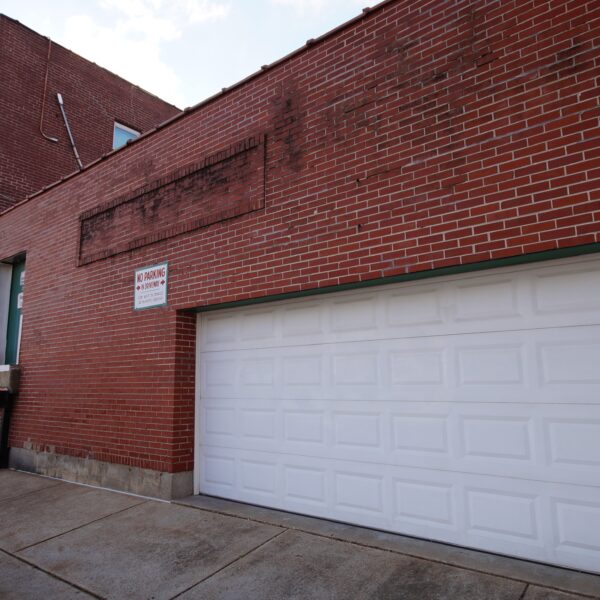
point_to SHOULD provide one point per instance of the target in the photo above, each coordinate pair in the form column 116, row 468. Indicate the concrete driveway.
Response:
column 62, row 541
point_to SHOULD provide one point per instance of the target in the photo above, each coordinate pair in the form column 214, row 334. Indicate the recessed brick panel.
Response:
column 223, row 185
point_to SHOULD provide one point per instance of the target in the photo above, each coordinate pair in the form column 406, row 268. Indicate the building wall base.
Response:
column 145, row 482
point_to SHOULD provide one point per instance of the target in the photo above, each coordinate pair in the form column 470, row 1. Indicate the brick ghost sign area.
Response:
column 223, row 185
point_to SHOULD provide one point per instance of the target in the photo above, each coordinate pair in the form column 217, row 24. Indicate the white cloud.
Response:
column 199, row 11
column 131, row 45
column 181, row 11
column 304, row 7
column 137, row 60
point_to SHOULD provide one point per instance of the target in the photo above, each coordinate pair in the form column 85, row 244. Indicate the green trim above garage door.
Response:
column 521, row 259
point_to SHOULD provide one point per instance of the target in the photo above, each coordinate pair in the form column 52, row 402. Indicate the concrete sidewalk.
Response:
column 62, row 541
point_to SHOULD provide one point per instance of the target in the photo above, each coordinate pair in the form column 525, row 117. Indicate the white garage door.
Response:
column 464, row 409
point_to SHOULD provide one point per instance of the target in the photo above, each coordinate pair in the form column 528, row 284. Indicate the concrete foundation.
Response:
column 145, row 482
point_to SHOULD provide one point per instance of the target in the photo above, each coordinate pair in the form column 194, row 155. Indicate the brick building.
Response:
column 35, row 149
column 382, row 287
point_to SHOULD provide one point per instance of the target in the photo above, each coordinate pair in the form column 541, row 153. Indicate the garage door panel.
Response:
column 465, row 409
column 520, row 298
column 558, row 290
column 552, row 443
column 583, row 456
column 571, row 360
column 577, row 523
column 518, row 517
column 552, row 365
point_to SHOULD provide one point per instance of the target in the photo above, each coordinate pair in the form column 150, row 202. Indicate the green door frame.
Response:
column 15, row 315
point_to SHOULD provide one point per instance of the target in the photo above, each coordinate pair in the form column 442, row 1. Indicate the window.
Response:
column 12, row 280
column 122, row 134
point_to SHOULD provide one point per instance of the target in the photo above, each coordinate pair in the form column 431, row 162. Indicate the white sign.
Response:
column 150, row 286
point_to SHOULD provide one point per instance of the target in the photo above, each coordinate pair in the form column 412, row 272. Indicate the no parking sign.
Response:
column 150, row 286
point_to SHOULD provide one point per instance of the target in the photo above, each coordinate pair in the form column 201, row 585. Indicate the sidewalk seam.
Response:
column 524, row 592
column 219, row 570
column 47, row 487
column 53, row 537
column 51, row 574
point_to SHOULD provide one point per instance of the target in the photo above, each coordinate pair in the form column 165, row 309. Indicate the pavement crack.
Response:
column 47, row 487
column 238, row 558
column 524, row 591
column 53, row 537
column 51, row 574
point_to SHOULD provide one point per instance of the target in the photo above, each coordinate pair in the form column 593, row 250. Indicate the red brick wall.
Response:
column 94, row 98
column 428, row 134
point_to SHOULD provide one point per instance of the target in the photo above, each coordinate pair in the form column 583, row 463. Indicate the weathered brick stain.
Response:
column 225, row 185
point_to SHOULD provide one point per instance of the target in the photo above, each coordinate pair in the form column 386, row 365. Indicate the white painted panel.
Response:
column 417, row 367
column 506, row 515
column 258, row 326
column 258, row 423
column 305, row 485
column 416, row 308
column 577, row 526
column 302, row 370
column 496, row 437
column 219, row 420
column 429, row 502
column 258, row 476
column 355, row 369
column 420, row 433
column 219, row 328
column 304, row 426
column 219, row 470
column 464, row 409
column 575, row 442
column 356, row 429
column 561, row 292
column 486, row 300
column 220, row 372
column 490, row 364
column 358, row 492
column 574, row 362
column 353, row 315
column 301, row 321
column 257, row 371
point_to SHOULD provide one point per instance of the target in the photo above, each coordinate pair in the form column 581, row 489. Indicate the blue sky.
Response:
column 182, row 50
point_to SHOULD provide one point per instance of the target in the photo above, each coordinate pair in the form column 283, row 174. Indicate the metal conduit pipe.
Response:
column 64, row 114
column 50, row 139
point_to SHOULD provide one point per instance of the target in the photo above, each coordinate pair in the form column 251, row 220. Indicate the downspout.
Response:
column 50, row 139
column 64, row 114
